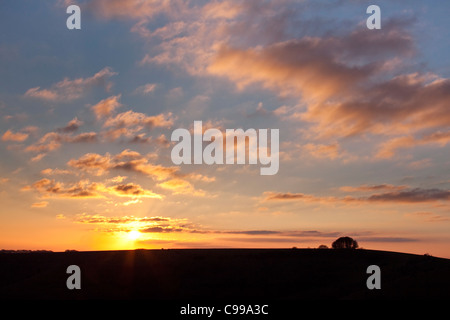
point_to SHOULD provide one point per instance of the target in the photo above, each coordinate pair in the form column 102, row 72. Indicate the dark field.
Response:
column 224, row 275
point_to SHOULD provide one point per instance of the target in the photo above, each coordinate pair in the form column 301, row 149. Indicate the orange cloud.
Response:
column 85, row 189
column 49, row 142
column 41, row 204
column 106, row 107
column 17, row 137
column 130, row 118
column 132, row 190
column 51, row 188
column 390, row 147
column 126, row 160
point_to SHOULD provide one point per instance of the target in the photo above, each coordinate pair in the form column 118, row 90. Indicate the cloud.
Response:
column 346, row 83
column 86, row 218
column 106, row 107
column 283, row 196
column 38, row 157
column 85, row 189
column 416, row 195
column 48, row 142
column 41, row 204
column 56, row 171
column 53, row 140
column 222, row 9
column 396, row 194
column 93, row 163
column 428, row 216
column 254, row 232
column 371, row 188
column 161, row 224
column 131, row 161
column 86, row 137
column 160, row 229
column 298, row 67
column 127, row 160
column 68, row 90
column 71, row 126
column 128, row 9
column 349, row 82
column 181, row 186
column 387, row 239
column 146, row 89
column 388, row 148
column 136, row 119
column 128, row 123
column 321, row 151
column 132, row 190
column 395, row 106
column 17, row 137
column 50, row 188
column 155, row 224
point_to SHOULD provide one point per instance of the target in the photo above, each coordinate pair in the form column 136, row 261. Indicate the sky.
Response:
column 87, row 116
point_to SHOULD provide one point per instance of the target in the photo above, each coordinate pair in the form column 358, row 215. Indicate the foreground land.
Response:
column 224, row 274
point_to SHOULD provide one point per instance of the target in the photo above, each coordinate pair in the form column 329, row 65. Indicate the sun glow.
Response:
column 133, row 235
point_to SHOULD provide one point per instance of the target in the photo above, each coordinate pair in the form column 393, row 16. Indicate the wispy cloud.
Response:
column 146, row 89
column 68, row 90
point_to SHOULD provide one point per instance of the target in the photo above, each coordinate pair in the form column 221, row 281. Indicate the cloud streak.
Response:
column 395, row 194
column 69, row 90
column 85, row 189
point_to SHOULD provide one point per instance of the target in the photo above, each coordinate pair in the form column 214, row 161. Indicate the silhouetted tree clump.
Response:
column 345, row 243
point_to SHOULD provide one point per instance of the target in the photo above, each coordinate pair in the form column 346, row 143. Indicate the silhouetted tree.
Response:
column 323, row 246
column 345, row 243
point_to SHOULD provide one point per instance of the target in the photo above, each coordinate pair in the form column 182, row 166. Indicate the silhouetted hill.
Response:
column 224, row 274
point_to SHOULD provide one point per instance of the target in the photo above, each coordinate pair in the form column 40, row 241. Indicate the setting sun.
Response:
column 133, row 235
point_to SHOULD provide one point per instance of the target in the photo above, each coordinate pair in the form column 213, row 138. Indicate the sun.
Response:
column 133, row 235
